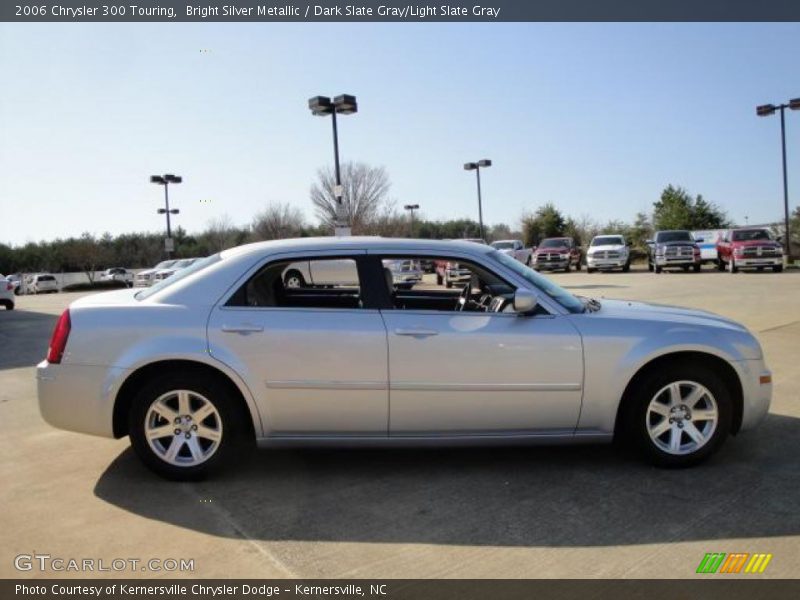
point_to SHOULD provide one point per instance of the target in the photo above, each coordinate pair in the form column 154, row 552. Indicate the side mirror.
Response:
column 525, row 301
column 779, row 238
column 698, row 240
column 650, row 242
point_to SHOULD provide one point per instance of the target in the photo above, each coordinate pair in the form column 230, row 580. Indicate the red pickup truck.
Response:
column 557, row 253
column 749, row 248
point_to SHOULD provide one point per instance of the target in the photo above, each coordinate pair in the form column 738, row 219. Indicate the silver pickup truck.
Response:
column 405, row 273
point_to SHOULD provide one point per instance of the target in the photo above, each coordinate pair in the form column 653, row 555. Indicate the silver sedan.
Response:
column 224, row 355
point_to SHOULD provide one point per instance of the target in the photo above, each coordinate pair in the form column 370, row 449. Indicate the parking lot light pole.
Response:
column 476, row 166
column 411, row 208
column 322, row 106
column 165, row 180
column 766, row 110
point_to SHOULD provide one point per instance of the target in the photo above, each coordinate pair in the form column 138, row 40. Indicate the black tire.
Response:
column 697, row 268
column 294, row 279
column 685, row 268
column 626, row 267
column 777, row 269
column 578, row 265
column 568, row 268
column 649, row 266
column 448, row 284
column 657, row 269
column 634, row 421
column 720, row 265
column 590, row 270
column 439, row 279
column 9, row 305
column 237, row 437
column 732, row 266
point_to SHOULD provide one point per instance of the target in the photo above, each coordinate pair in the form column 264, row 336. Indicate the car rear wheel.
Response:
column 185, row 426
column 680, row 415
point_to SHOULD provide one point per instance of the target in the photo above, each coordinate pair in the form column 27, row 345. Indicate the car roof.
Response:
column 355, row 243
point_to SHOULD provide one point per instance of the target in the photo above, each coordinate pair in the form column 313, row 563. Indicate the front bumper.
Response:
column 78, row 397
column 606, row 263
column 764, row 261
column 756, row 395
column 668, row 261
column 545, row 265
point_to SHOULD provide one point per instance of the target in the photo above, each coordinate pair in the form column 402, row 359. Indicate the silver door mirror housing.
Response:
column 525, row 301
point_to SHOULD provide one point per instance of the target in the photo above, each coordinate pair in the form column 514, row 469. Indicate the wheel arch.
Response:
column 134, row 382
column 719, row 365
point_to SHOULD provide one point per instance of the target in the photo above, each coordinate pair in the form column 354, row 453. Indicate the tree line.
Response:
column 369, row 209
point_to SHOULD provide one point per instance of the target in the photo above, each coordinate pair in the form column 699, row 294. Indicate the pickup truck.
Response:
column 557, row 253
column 515, row 249
column 749, row 248
column 673, row 248
column 343, row 272
column 118, row 274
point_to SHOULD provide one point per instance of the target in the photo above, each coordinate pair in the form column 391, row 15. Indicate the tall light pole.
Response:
column 766, row 110
column 411, row 208
column 476, row 166
column 165, row 180
column 322, row 106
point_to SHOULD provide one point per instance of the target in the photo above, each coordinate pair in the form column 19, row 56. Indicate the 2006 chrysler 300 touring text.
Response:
column 224, row 353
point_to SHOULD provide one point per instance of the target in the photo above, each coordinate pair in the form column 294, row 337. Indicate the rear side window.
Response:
column 332, row 283
column 46, row 278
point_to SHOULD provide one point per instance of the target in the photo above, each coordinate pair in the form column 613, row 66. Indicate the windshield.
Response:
column 503, row 245
column 673, row 236
column 747, row 235
column 555, row 243
column 608, row 240
column 177, row 276
column 541, row 283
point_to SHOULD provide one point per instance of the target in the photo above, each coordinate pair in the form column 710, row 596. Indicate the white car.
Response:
column 515, row 249
column 6, row 293
column 42, row 283
column 146, row 278
column 118, row 274
column 404, row 274
column 222, row 355
column 608, row 252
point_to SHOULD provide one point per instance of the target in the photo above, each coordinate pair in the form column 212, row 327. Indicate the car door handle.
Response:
column 416, row 332
column 242, row 328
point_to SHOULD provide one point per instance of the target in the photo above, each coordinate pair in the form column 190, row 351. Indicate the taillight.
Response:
column 58, row 341
column 9, row 286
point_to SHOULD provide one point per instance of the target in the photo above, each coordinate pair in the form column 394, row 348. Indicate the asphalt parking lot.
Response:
column 506, row 512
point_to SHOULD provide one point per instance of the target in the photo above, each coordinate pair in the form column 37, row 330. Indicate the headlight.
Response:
column 659, row 250
column 565, row 256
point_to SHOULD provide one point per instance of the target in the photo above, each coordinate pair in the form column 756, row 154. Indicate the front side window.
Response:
column 539, row 282
column 305, row 283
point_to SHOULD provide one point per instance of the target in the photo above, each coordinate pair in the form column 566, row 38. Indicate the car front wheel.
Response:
column 185, row 426
column 680, row 416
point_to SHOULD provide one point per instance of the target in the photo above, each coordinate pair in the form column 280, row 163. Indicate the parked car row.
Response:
column 161, row 271
column 740, row 248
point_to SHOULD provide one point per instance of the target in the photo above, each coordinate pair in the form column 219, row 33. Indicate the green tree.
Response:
column 677, row 209
column 546, row 222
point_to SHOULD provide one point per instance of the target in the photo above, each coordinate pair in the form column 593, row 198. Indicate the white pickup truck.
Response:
column 118, row 274
column 405, row 273
column 515, row 249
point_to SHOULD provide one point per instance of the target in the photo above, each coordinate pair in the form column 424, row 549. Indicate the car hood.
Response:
column 677, row 243
column 626, row 309
column 617, row 247
column 748, row 243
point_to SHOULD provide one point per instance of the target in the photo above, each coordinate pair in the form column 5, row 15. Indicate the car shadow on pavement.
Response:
column 534, row 496
column 24, row 336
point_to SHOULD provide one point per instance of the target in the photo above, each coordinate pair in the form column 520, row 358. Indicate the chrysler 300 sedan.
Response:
column 224, row 355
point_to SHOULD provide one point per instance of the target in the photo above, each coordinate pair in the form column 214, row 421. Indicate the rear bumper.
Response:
column 78, row 397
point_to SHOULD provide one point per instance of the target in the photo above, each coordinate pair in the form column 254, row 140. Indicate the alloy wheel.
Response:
column 183, row 428
column 682, row 417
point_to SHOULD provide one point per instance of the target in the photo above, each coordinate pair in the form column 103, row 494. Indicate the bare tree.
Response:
column 365, row 192
column 220, row 234
column 277, row 221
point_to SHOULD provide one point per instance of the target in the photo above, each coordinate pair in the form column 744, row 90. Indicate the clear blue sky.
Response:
column 596, row 118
